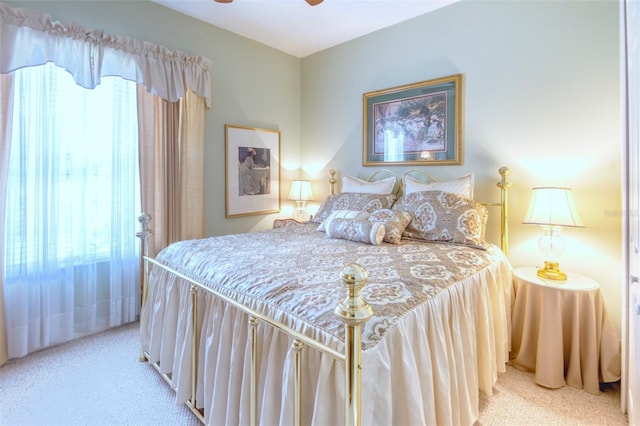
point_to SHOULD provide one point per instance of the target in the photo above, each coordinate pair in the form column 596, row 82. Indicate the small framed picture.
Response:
column 416, row 124
column 252, row 171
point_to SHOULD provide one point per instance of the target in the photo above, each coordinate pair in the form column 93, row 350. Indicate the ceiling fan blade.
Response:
column 311, row 2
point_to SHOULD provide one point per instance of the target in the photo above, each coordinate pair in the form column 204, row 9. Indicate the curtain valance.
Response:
column 29, row 38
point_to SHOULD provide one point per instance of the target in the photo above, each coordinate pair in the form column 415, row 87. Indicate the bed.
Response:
column 247, row 328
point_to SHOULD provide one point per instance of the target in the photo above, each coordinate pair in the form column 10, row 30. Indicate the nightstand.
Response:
column 561, row 331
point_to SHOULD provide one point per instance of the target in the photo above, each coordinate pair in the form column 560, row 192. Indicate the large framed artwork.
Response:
column 252, row 170
column 415, row 124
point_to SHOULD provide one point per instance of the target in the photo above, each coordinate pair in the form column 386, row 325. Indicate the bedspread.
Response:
column 296, row 270
column 439, row 331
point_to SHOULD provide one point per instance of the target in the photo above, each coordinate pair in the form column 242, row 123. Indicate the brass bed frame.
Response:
column 353, row 310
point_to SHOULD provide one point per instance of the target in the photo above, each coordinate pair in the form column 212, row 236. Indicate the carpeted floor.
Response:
column 517, row 400
column 98, row 381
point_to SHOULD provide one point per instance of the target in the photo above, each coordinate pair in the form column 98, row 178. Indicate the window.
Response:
column 72, row 201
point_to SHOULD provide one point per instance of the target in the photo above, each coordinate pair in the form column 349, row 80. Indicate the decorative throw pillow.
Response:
column 361, row 231
column 353, row 201
column 462, row 186
column 343, row 214
column 394, row 221
column 443, row 216
column 382, row 186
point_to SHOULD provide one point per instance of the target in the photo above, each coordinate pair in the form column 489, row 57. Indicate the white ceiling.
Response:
column 294, row 27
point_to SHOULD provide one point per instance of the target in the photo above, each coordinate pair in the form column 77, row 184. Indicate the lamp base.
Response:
column 301, row 211
column 551, row 272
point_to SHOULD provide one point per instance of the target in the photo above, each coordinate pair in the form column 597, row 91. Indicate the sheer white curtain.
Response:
column 72, row 197
column 6, row 106
column 66, row 271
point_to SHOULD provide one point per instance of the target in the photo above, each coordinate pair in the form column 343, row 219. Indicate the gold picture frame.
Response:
column 416, row 124
column 252, row 171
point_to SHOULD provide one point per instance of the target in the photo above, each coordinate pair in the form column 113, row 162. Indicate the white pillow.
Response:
column 382, row 186
column 462, row 186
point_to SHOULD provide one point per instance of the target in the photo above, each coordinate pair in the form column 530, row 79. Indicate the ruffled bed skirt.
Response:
column 427, row 370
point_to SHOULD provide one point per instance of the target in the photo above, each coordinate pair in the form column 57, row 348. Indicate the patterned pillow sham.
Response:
column 352, row 201
column 463, row 186
column 446, row 217
column 394, row 221
column 343, row 214
column 360, row 231
column 382, row 186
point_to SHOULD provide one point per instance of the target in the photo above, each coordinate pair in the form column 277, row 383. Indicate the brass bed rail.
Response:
column 253, row 313
column 353, row 310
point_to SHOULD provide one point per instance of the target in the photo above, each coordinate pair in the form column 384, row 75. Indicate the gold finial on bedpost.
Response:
column 354, row 311
column 504, row 186
column 332, row 182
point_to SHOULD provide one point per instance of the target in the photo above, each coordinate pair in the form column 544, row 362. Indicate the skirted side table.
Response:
column 561, row 331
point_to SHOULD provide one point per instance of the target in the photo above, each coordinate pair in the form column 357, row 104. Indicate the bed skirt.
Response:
column 427, row 370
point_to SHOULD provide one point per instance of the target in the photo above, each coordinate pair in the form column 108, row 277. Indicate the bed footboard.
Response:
column 353, row 310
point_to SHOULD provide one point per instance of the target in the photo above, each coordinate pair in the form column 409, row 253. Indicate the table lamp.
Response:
column 552, row 209
column 301, row 193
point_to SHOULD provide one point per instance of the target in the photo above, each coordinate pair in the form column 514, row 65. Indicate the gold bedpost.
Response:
column 504, row 186
column 144, row 234
column 253, row 399
column 194, row 345
column 354, row 311
column 332, row 182
column 297, row 346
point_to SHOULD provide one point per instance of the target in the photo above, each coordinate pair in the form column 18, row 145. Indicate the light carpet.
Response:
column 98, row 380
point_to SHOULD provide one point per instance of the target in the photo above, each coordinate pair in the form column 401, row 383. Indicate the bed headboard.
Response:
column 504, row 184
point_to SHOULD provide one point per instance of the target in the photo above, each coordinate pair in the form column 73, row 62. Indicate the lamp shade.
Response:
column 552, row 207
column 300, row 191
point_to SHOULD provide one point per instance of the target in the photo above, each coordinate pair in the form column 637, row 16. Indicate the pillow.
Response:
column 343, row 214
column 361, row 231
column 352, row 201
column 394, row 221
column 382, row 186
column 462, row 186
column 443, row 216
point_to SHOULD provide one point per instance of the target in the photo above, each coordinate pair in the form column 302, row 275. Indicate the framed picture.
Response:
column 252, row 171
column 416, row 124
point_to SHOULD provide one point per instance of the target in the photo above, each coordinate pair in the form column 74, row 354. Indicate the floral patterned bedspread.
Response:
column 297, row 270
